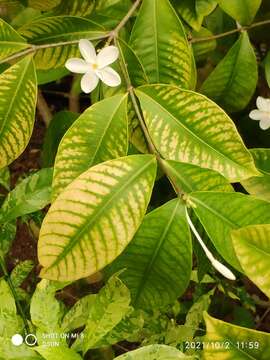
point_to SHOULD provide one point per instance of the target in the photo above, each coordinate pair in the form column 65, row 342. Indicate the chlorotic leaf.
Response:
column 54, row 30
column 234, row 342
column 57, row 352
column 5, row 178
column 227, row 84
column 158, row 38
column 186, row 126
column 219, row 214
column 18, row 93
column 158, row 260
column 30, row 195
column 202, row 49
column 10, row 352
column 95, row 217
column 7, row 235
column 155, row 352
column 191, row 177
column 75, row 7
column 43, row 4
column 10, row 40
column 242, row 11
column 99, row 134
column 251, row 245
column 259, row 186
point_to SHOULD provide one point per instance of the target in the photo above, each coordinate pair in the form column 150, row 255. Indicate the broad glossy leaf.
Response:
column 236, row 342
column 186, row 126
column 5, row 178
column 242, row 11
column 260, row 185
column 191, row 177
column 194, row 11
column 155, row 352
column 18, row 92
column 252, row 247
column 43, row 4
column 227, row 84
column 158, row 38
column 158, row 260
column 95, row 217
column 57, row 29
column 57, row 353
column 110, row 12
column 30, row 195
column 110, row 306
column 99, row 134
column 220, row 213
column 7, row 235
column 10, row 40
column 75, row 7
column 203, row 48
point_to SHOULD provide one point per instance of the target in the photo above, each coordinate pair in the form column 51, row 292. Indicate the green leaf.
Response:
column 186, row 126
column 243, row 11
column 43, row 4
column 267, row 68
column 110, row 306
column 155, row 352
column 219, row 214
column 57, row 352
column 110, row 12
column 99, row 134
column 10, row 40
column 260, row 185
column 75, row 7
column 58, row 29
column 18, row 93
column 235, row 342
column 201, row 49
column 158, row 261
column 20, row 272
column 77, row 316
column 95, row 217
column 227, row 84
column 58, row 126
column 5, row 178
column 10, row 352
column 189, row 177
column 158, row 38
column 46, row 312
column 30, row 195
column 7, row 235
column 194, row 11
column 251, row 245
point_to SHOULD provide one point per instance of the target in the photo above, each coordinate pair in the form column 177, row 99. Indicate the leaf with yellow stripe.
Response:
column 188, row 127
column 75, row 7
column 57, row 29
column 231, row 342
column 99, row 134
column 252, row 247
column 159, row 40
column 95, row 217
column 10, row 40
column 43, row 4
column 18, row 92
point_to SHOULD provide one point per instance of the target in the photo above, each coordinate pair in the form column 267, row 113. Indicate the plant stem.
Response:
column 44, row 109
column 231, row 32
column 13, row 291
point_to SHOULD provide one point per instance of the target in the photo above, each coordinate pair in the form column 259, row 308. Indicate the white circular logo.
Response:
column 30, row 340
column 17, row 339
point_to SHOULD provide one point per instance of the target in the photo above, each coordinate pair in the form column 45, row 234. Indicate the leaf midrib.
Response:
column 89, row 222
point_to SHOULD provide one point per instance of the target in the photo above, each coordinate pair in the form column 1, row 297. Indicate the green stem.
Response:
column 13, row 291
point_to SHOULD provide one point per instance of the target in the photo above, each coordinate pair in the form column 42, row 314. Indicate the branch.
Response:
column 44, row 109
column 231, row 32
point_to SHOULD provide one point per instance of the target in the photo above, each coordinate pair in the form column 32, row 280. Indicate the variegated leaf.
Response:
column 55, row 30
column 95, row 217
column 99, row 134
column 186, row 126
column 75, row 7
column 43, row 4
column 18, row 93
column 158, row 38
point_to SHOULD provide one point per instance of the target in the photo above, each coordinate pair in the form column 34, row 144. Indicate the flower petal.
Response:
column 109, row 76
column 265, row 124
column 89, row 82
column 78, row 66
column 223, row 269
column 256, row 114
column 107, row 56
column 88, row 51
column 263, row 104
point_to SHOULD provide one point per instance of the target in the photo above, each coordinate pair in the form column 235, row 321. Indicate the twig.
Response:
column 231, row 32
column 44, row 109
column 74, row 97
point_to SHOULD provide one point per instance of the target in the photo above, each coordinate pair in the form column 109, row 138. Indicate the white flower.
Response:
column 262, row 113
column 95, row 66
